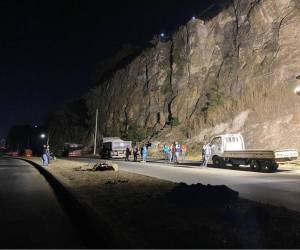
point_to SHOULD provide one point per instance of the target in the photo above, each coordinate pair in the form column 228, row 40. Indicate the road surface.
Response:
column 281, row 188
column 30, row 215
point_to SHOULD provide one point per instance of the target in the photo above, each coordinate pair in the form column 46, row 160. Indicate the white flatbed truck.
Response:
column 230, row 149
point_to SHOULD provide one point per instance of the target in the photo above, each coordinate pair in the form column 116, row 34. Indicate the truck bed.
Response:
column 277, row 155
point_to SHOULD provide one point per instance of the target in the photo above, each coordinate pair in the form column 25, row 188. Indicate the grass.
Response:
column 146, row 212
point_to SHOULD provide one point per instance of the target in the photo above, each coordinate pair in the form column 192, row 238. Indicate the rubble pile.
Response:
column 99, row 166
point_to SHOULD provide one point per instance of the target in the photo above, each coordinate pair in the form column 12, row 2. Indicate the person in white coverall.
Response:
column 207, row 153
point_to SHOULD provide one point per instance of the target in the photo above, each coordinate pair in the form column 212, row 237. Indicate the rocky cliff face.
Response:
column 234, row 72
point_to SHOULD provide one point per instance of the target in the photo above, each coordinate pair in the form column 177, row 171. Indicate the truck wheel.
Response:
column 255, row 165
column 218, row 162
column 273, row 167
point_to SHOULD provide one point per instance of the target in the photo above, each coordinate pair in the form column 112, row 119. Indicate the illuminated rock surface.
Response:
column 232, row 72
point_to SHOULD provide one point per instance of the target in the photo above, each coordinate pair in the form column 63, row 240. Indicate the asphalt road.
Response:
column 30, row 215
column 281, row 188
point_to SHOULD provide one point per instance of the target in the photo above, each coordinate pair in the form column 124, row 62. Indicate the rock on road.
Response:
column 30, row 214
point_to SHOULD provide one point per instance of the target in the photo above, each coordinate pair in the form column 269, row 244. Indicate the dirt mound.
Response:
column 200, row 195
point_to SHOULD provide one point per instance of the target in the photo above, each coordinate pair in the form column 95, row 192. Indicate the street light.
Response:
column 293, row 85
column 296, row 86
column 43, row 136
column 297, row 90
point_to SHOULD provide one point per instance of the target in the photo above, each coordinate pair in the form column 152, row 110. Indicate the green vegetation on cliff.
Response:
column 235, row 60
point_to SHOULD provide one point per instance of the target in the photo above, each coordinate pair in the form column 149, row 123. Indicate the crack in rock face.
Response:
column 230, row 71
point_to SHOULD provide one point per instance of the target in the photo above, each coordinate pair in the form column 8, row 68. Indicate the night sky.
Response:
column 49, row 49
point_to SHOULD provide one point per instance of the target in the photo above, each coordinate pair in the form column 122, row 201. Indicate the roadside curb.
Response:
column 94, row 232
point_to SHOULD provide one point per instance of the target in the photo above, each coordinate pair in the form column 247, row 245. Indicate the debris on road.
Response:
column 100, row 166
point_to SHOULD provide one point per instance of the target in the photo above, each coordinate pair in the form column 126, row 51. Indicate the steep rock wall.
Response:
column 233, row 73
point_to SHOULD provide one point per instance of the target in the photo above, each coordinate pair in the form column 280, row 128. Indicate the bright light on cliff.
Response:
column 297, row 90
column 162, row 34
column 193, row 18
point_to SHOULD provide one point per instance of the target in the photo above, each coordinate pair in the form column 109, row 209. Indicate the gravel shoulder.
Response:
column 145, row 212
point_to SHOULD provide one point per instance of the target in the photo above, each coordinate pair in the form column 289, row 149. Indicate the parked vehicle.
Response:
column 3, row 151
column 230, row 149
column 114, row 147
column 27, row 152
column 13, row 153
column 72, row 150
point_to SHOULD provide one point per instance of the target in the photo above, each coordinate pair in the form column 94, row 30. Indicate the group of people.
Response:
column 173, row 151
column 46, row 155
column 143, row 151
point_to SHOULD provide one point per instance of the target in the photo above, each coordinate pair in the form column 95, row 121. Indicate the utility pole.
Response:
column 96, row 131
column 48, row 138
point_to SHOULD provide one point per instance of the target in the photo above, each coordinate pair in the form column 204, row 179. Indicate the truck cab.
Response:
column 228, row 142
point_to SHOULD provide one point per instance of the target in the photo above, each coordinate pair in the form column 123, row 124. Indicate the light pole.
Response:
column 96, row 132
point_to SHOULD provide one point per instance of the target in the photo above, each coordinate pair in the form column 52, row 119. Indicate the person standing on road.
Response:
column 128, row 153
column 177, row 151
column 170, row 153
column 174, row 152
column 142, row 148
column 44, row 156
column 207, row 153
column 183, row 151
column 135, row 152
column 145, row 153
column 48, row 153
column 203, row 151
column 166, row 152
